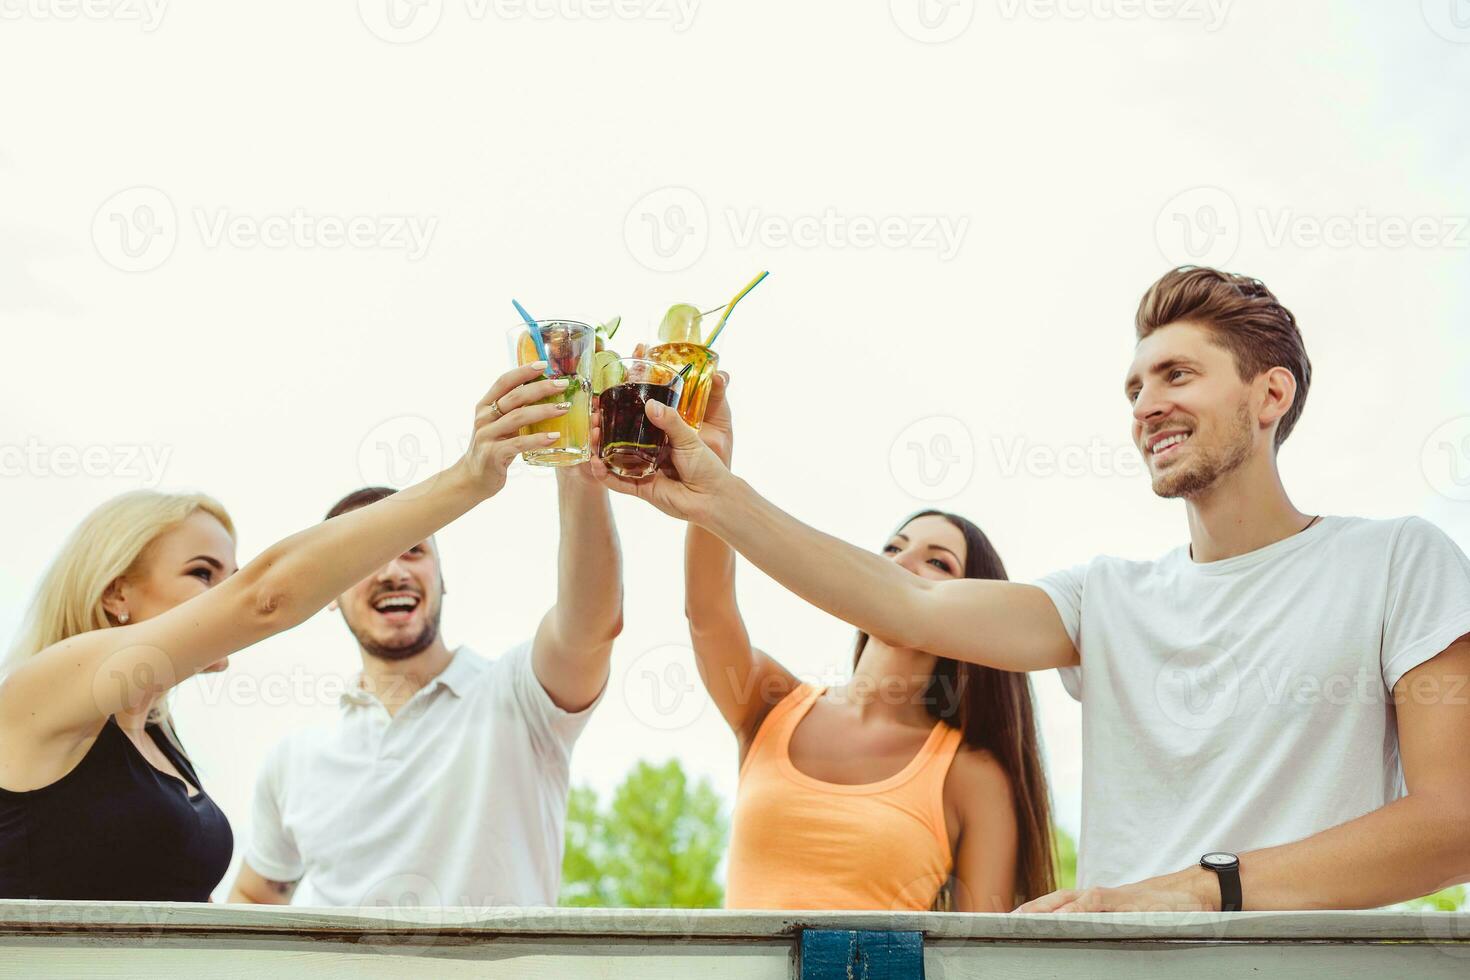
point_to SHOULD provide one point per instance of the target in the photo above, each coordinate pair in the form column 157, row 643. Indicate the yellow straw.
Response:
column 730, row 306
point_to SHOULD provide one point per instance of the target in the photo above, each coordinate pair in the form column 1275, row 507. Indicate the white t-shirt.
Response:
column 1245, row 703
column 460, row 799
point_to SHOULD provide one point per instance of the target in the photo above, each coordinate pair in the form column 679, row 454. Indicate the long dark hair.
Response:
column 995, row 712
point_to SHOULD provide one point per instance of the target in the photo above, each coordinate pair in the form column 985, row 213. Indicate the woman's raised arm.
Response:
column 743, row 682
column 73, row 686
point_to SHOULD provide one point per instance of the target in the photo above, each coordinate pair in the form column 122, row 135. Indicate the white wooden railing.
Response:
column 70, row 939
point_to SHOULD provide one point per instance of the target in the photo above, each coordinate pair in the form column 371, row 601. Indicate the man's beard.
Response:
column 1193, row 479
column 412, row 648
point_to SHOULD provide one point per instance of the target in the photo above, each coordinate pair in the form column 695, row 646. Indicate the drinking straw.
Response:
column 535, row 333
column 730, row 306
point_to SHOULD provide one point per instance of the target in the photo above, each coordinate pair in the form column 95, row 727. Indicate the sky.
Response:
column 268, row 252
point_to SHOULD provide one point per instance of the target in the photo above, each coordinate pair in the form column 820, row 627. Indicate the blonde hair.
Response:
column 108, row 544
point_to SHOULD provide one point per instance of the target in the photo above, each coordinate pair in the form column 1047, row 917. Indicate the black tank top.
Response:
column 115, row 828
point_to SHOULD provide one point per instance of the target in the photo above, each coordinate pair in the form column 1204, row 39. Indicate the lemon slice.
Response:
column 680, row 325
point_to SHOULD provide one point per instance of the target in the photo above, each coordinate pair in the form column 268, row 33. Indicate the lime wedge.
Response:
column 680, row 325
column 606, row 371
column 610, row 327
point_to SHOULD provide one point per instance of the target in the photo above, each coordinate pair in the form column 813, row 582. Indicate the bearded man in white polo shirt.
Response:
column 445, row 780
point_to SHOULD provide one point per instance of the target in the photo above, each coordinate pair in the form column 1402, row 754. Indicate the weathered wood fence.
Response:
column 82, row 939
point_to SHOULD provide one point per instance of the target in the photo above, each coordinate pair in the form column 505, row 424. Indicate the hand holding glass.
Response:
column 632, row 446
column 569, row 346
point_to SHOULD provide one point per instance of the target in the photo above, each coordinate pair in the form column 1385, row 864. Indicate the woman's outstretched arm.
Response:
column 73, row 686
column 1006, row 625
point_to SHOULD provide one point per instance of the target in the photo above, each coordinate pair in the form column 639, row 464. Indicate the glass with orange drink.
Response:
column 679, row 344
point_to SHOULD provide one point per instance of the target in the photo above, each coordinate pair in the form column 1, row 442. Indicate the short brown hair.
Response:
column 359, row 498
column 1245, row 318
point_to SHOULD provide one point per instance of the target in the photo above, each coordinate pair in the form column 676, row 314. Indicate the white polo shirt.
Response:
column 458, row 800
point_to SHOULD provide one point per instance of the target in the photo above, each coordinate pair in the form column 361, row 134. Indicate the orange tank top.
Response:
column 801, row 843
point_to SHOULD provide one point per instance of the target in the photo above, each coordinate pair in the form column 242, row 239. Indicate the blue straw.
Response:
column 535, row 331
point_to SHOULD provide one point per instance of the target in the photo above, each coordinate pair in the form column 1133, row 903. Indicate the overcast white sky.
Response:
column 261, row 242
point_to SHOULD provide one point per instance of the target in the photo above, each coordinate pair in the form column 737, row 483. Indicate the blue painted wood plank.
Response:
column 861, row 955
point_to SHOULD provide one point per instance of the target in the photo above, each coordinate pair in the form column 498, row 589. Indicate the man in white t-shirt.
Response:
column 445, row 780
column 1275, row 715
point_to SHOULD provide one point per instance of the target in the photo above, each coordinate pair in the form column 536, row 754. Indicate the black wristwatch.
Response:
column 1227, row 868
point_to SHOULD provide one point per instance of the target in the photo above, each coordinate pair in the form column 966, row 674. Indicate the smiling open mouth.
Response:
column 1168, row 445
column 396, row 607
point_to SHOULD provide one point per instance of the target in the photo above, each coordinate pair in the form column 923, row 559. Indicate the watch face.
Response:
column 1219, row 859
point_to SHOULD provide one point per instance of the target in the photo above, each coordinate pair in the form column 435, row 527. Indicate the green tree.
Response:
column 1065, row 850
column 658, row 843
column 1449, row 900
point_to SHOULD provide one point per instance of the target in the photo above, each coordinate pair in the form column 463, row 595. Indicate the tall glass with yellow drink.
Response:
column 569, row 347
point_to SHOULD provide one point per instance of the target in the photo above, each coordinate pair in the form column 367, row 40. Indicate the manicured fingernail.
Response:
column 552, row 436
column 560, row 383
column 538, row 365
column 563, row 406
column 655, row 410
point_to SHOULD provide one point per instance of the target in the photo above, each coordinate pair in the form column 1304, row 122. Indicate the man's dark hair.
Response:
column 359, row 498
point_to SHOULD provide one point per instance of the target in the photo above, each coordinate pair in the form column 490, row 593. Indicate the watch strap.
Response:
column 1230, row 897
column 1227, row 871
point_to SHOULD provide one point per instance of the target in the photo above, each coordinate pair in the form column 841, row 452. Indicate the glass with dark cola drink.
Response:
column 632, row 446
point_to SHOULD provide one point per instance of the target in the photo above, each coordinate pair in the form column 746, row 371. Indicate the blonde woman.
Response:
column 97, row 799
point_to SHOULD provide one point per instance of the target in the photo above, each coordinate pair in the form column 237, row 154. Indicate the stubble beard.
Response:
column 1209, row 467
column 413, row 648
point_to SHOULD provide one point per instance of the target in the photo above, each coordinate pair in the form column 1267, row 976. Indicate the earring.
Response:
column 123, row 618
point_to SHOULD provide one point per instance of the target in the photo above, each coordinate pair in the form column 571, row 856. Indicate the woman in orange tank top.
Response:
column 918, row 784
